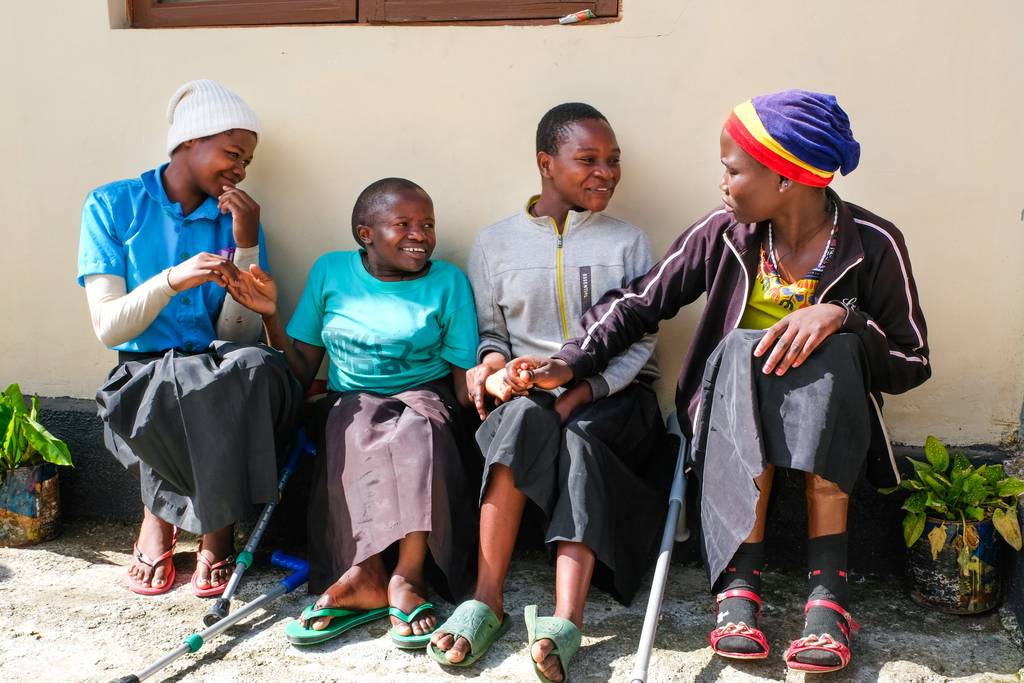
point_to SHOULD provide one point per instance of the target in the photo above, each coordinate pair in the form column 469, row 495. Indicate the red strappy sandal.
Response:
column 136, row 586
column 823, row 642
column 212, row 591
column 741, row 629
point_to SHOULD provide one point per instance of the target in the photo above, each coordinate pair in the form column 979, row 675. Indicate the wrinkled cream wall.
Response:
column 933, row 90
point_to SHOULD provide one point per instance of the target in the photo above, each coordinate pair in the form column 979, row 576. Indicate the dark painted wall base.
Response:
column 97, row 486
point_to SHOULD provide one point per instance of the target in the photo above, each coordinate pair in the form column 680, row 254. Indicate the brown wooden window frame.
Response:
column 192, row 13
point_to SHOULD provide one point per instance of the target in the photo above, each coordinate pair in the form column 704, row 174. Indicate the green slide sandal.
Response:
column 562, row 632
column 341, row 620
column 474, row 621
column 411, row 641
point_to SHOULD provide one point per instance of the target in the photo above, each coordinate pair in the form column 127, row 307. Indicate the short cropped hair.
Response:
column 375, row 198
column 554, row 126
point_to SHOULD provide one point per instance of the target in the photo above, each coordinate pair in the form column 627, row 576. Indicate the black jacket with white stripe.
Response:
column 870, row 276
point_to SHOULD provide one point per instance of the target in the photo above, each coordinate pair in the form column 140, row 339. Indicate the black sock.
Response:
column 743, row 572
column 826, row 580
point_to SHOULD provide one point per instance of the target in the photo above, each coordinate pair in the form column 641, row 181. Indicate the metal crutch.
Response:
column 220, row 608
column 299, row 575
column 675, row 530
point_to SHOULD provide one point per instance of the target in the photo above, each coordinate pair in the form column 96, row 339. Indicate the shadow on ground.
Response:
column 65, row 614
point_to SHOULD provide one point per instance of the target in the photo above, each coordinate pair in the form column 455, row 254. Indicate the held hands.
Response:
column 200, row 269
column 477, row 377
column 499, row 389
column 255, row 290
column 526, row 372
column 519, row 376
column 246, row 214
column 797, row 335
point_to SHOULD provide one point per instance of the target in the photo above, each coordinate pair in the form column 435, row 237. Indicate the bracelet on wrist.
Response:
column 167, row 278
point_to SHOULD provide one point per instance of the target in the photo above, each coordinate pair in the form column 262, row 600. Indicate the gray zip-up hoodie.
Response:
column 533, row 284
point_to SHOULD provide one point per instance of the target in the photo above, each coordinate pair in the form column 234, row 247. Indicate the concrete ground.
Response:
column 66, row 615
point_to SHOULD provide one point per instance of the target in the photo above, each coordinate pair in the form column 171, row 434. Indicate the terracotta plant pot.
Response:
column 29, row 505
column 942, row 583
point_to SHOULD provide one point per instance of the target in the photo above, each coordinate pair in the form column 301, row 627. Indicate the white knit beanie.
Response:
column 204, row 107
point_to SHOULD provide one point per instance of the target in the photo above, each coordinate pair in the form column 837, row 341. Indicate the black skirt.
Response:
column 815, row 418
column 601, row 480
column 201, row 431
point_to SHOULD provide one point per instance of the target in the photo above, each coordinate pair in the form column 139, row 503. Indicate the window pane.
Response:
column 159, row 13
column 469, row 10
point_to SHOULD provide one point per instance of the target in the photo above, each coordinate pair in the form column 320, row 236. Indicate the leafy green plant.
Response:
column 25, row 441
column 952, row 489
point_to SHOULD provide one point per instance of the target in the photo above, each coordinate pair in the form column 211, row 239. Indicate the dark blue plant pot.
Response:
column 940, row 583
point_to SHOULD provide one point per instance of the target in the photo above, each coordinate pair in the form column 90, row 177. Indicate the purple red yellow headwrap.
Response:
column 804, row 136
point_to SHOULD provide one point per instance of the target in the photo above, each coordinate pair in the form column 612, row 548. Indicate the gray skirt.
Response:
column 201, row 431
column 390, row 466
column 601, row 480
column 815, row 419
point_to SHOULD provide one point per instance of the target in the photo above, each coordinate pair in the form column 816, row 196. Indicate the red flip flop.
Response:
column 141, row 588
column 212, row 591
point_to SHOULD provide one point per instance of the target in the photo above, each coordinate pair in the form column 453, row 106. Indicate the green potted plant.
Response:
column 29, row 454
column 962, row 510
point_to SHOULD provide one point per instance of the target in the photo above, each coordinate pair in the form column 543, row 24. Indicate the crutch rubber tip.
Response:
column 217, row 612
column 126, row 679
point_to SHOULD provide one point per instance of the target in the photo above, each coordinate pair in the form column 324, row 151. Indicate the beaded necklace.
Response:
column 826, row 255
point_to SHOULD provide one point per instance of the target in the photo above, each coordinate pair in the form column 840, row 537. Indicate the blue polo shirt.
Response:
column 386, row 337
column 130, row 228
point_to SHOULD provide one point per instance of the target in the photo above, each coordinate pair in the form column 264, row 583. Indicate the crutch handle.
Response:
column 298, row 567
column 303, row 446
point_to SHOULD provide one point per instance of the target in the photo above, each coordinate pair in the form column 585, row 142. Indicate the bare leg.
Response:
column 500, row 514
column 406, row 588
column 574, row 568
column 215, row 546
column 362, row 587
column 764, row 484
column 154, row 540
column 827, row 507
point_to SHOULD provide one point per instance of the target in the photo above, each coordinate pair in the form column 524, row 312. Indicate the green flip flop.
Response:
column 562, row 632
column 341, row 620
column 474, row 621
column 411, row 641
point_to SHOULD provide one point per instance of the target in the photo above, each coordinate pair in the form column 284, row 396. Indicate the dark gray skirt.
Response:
column 601, row 480
column 815, row 418
column 391, row 465
column 201, row 431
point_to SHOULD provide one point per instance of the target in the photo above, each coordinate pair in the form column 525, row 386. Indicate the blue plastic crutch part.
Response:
column 299, row 574
column 219, row 609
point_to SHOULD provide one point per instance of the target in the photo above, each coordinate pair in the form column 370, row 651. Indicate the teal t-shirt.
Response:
column 386, row 337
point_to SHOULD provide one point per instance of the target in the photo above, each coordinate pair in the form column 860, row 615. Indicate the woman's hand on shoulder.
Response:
column 796, row 336
column 527, row 372
column 255, row 290
column 245, row 214
column 202, row 268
